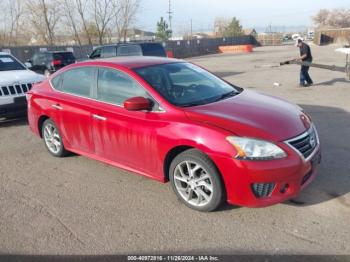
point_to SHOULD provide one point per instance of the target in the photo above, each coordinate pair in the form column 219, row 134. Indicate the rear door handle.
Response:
column 57, row 106
column 101, row 118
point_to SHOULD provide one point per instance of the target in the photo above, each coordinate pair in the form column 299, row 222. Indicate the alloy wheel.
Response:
column 193, row 183
column 52, row 138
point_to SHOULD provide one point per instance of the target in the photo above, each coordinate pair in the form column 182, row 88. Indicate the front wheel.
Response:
column 52, row 139
column 196, row 181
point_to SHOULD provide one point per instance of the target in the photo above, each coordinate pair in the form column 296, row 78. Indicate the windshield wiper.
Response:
column 192, row 104
column 227, row 95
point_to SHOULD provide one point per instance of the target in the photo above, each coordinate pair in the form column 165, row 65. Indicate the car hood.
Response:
column 252, row 114
column 19, row 77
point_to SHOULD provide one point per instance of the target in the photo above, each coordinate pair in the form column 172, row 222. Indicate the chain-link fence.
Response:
column 180, row 49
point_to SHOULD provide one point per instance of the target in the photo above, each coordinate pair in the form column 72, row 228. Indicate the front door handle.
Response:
column 101, row 118
column 57, row 106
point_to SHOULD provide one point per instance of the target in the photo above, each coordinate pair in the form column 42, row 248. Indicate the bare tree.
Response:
column 15, row 13
column 70, row 14
column 82, row 5
column 220, row 26
column 44, row 16
column 102, row 15
column 337, row 18
column 125, row 13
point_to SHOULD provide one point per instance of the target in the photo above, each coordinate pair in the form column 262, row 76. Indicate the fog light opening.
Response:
column 284, row 188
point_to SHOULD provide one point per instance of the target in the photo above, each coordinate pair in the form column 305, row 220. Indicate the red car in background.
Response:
column 171, row 120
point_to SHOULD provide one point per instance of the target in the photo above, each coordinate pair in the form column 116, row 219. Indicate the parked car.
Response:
column 15, row 81
column 168, row 119
column 129, row 49
column 49, row 62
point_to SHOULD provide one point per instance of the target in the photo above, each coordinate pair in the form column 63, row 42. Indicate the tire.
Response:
column 201, row 188
column 52, row 139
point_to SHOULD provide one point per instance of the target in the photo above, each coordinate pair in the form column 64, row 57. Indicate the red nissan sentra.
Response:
column 168, row 119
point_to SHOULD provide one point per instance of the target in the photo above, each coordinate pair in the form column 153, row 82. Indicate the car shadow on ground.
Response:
column 21, row 121
column 333, row 180
column 332, row 82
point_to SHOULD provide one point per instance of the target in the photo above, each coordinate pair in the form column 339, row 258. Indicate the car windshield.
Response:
column 8, row 63
column 184, row 84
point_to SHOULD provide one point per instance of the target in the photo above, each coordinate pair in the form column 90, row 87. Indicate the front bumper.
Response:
column 284, row 178
column 17, row 107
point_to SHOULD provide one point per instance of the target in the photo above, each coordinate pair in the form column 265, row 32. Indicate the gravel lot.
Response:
column 76, row 205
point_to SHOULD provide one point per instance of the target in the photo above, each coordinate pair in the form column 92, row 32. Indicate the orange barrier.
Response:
column 236, row 49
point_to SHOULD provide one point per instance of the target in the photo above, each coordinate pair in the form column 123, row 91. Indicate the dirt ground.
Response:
column 76, row 205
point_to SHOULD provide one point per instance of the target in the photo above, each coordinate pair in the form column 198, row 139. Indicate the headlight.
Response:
column 254, row 149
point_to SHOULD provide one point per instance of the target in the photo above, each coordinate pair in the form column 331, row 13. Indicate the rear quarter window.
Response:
column 56, row 82
column 77, row 81
column 152, row 49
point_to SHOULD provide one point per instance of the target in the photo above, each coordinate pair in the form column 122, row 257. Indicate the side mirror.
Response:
column 138, row 103
column 28, row 64
column 88, row 56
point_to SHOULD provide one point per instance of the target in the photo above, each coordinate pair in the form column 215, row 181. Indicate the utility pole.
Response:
column 191, row 30
column 170, row 14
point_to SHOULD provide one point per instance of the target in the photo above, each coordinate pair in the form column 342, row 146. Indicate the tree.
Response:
column 163, row 31
column 234, row 28
column 70, row 14
column 15, row 14
column 102, row 15
column 81, row 9
column 220, row 25
column 44, row 16
column 336, row 18
column 125, row 12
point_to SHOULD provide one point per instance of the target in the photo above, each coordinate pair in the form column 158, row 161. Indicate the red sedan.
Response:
column 168, row 119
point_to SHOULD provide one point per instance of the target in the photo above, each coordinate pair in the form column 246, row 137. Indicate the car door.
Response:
column 124, row 137
column 72, row 107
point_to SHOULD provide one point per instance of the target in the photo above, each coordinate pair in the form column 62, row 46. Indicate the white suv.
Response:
column 15, row 81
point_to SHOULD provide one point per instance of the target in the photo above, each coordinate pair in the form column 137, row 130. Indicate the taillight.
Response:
column 170, row 54
column 56, row 62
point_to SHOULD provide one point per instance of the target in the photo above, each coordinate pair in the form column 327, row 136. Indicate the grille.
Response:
column 262, row 189
column 15, row 89
column 305, row 143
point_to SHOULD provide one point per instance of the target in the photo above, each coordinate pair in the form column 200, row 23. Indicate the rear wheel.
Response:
column 196, row 181
column 52, row 139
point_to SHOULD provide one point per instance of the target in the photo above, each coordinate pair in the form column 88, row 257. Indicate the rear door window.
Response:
column 129, row 50
column 109, row 51
column 115, row 86
column 78, row 81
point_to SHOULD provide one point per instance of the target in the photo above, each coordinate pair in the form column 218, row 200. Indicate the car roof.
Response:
column 132, row 62
column 131, row 43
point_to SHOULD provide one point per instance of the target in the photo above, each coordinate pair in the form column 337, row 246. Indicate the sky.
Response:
column 251, row 13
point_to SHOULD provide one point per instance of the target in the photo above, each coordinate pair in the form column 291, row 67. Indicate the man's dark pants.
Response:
column 304, row 75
